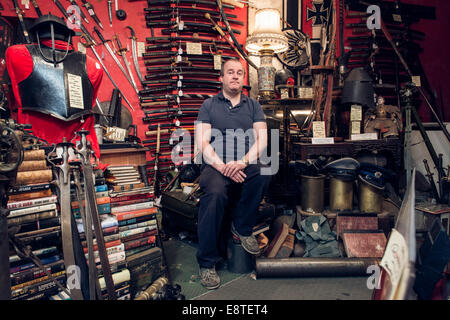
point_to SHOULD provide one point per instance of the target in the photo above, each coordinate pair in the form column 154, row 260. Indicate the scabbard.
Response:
column 185, row 9
column 152, row 3
column 205, row 46
column 184, row 87
column 171, row 110
column 170, row 116
column 313, row 267
column 183, row 16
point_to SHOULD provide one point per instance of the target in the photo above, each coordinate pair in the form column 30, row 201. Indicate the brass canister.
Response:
column 312, row 193
column 370, row 197
column 341, row 194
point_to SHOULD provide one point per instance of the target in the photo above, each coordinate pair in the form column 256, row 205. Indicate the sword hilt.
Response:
column 121, row 49
column 133, row 34
column 83, row 148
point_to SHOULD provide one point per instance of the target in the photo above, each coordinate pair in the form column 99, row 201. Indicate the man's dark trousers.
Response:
column 216, row 187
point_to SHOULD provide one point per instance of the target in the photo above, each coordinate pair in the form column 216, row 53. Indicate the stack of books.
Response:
column 123, row 178
column 35, row 218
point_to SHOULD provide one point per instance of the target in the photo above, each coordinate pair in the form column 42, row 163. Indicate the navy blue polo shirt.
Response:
column 231, row 127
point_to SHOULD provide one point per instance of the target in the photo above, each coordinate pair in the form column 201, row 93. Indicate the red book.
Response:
column 140, row 235
column 107, row 245
column 134, row 214
column 132, row 197
column 139, row 242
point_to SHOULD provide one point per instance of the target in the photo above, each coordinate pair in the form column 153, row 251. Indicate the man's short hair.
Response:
column 222, row 69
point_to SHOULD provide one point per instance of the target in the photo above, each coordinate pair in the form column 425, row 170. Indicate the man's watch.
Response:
column 245, row 161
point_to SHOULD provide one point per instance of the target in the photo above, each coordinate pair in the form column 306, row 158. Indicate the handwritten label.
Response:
column 81, row 48
column 140, row 48
column 329, row 140
column 217, row 62
column 115, row 134
column 75, row 91
column 356, row 127
column 194, row 48
column 319, row 129
column 364, row 136
column 355, row 113
column 416, row 80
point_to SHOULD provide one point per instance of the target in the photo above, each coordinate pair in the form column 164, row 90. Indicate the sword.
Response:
column 111, row 52
column 161, row 46
column 110, row 12
column 122, row 51
column 186, row 9
column 36, row 7
column 164, row 82
column 196, row 16
column 135, row 53
column 84, row 153
column 184, row 2
column 91, row 45
column 19, row 13
column 73, row 2
column 183, row 74
column 90, row 9
column 63, row 181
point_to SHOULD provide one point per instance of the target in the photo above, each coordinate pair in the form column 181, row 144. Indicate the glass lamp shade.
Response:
column 267, row 33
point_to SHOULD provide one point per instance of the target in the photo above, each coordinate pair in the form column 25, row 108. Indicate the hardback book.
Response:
column 37, row 280
column 136, row 220
column 29, row 265
column 38, row 253
column 39, row 290
column 118, row 278
column 32, row 165
column 34, row 177
column 109, row 251
column 125, row 187
column 138, row 225
column 139, row 235
column 35, row 209
column 13, row 205
column 132, row 207
column 355, row 222
column 134, row 214
column 37, row 272
column 33, row 217
column 139, row 242
column 116, row 200
column 131, row 232
column 30, row 195
column 107, row 245
column 28, row 188
column 364, row 244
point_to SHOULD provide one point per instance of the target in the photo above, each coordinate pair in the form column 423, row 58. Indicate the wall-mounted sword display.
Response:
column 180, row 10
column 36, row 7
column 122, row 52
column 134, row 52
column 152, row 3
column 184, row 16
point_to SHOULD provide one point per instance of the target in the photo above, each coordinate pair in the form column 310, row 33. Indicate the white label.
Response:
column 180, row 50
column 355, row 113
column 181, row 25
column 91, row 12
column 75, row 91
column 179, row 58
column 356, row 127
column 364, row 136
column 397, row 18
column 305, row 93
column 115, row 134
column 194, row 48
column 322, row 140
column 26, row 3
column 180, row 93
column 177, row 123
column 81, row 48
column 284, row 93
column 315, row 226
column 319, row 129
column 217, row 62
column 395, row 258
column 140, row 48
column 179, row 84
column 416, row 80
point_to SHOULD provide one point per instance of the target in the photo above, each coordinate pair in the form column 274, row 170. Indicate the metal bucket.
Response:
column 370, row 197
column 341, row 194
column 312, row 193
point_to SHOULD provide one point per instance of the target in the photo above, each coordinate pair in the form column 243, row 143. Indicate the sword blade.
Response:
column 135, row 59
column 127, row 65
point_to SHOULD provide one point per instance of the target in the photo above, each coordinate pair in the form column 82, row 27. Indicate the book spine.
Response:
column 134, row 231
column 36, row 273
column 38, row 176
column 101, row 200
column 30, row 265
column 34, row 281
column 131, row 207
column 109, row 251
column 113, row 258
column 107, row 245
column 30, row 195
column 131, row 197
column 32, row 217
column 117, row 277
column 30, row 203
column 37, row 253
column 24, row 211
column 101, row 188
column 140, row 235
column 139, row 242
column 135, row 214
column 39, row 288
column 102, row 209
column 40, row 225
column 30, row 155
column 136, row 220
column 32, row 165
column 128, row 187
column 138, row 225
column 29, row 188
column 133, row 251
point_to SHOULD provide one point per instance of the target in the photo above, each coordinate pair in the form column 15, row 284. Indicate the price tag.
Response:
column 179, row 84
column 26, row 3
column 180, row 93
column 356, row 127
column 355, row 113
column 397, row 18
column 81, row 48
column 75, row 91
column 285, row 93
column 140, row 48
column 178, row 58
column 416, row 80
column 217, row 62
column 180, row 50
column 194, row 48
column 177, row 123
column 181, row 25
column 115, row 134
column 319, row 129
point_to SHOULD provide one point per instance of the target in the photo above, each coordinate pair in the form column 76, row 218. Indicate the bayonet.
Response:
column 182, row 69
column 184, row 16
column 91, row 45
column 187, row 39
column 183, row 87
column 122, row 51
column 150, row 55
column 431, row 180
column 152, row 3
column 36, row 7
column 110, row 12
column 19, row 13
column 186, row 26
column 74, row 3
column 111, row 52
column 135, row 53
column 179, row 82
column 90, row 9
column 182, row 76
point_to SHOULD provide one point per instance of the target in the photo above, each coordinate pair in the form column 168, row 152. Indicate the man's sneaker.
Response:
column 209, row 278
column 249, row 243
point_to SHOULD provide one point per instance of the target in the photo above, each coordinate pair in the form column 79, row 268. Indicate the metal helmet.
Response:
column 51, row 27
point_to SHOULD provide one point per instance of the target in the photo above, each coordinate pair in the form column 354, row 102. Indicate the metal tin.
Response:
column 312, row 193
column 341, row 194
column 370, row 197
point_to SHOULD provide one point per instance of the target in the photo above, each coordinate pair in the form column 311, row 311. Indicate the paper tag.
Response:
column 180, row 50
column 179, row 84
column 180, row 93
column 91, row 12
column 397, row 18
column 416, row 80
column 284, row 93
column 177, row 123
column 217, row 62
column 319, row 129
column 75, row 91
column 315, row 226
column 329, row 140
column 355, row 113
column 355, row 127
column 194, row 48
column 305, row 93
column 364, row 136
column 181, row 25
column 179, row 58
column 115, row 134
column 140, row 48
column 81, row 48
column 26, row 3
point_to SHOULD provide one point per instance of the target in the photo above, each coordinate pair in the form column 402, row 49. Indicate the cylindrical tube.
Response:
column 312, row 193
column 150, row 292
column 370, row 198
column 313, row 267
column 341, row 194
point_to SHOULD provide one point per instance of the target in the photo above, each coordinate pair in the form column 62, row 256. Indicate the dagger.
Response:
column 179, row 82
column 122, row 51
column 19, row 13
column 186, row 9
column 36, row 7
column 111, row 52
column 73, row 2
column 90, row 9
column 194, row 2
column 187, row 26
column 178, row 15
column 110, row 12
column 181, row 69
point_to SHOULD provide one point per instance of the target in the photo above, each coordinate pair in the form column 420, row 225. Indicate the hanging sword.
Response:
column 84, row 153
column 19, row 13
column 110, row 12
column 36, row 7
column 73, row 2
column 111, row 52
column 135, row 53
column 91, row 45
column 122, row 51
